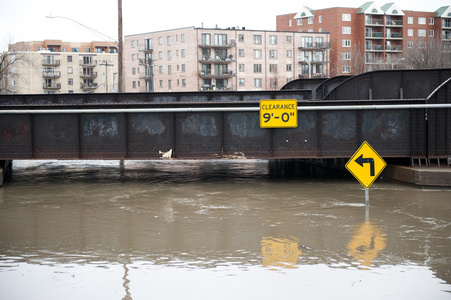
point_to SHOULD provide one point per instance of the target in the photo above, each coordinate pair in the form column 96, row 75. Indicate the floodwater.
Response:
column 217, row 230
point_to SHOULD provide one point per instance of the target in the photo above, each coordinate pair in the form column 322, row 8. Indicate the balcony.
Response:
column 374, row 35
column 394, row 36
column 51, row 74
column 223, row 46
column 88, row 86
column 51, row 62
column 145, row 49
column 51, row 86
column 225, row 74
column 145, row 62
column 374, row 22
column 88, row 63
column 312, row 62
column 393, row 48
column 88, row 75
column 446, row 35
column 216, row 59
column 393, row 23
column 375, row 48
column 313, row 46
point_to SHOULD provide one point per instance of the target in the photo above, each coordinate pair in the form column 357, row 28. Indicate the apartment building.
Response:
column 54, row 66
column 378, row 35
column 201, row 59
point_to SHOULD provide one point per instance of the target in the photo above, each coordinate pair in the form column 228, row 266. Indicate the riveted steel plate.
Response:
column 15, row 137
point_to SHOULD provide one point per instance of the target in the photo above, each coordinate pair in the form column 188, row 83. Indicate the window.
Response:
column 220, row 39
column 257, row 53
column 289, row 53
column 160, row 41
column 308, row 55
column 161, row 83
column 87, row 49
column 307, row 42
column 183, row 68
column 310, row 20
column 319, row 42
column 431, row 33
column 134, row 84
column 409, row 32
column 169, row 70
column 289, row 68
column 321, row 19
column 410, row 44
column 133, row 57
column 346, row 30
column 169, row 38
column 241, row 82
column 206, row 39
column 183, row 82
column 183, row 53
column 273, row 39
column 133, row 71
column 346, row 56
column 160, row 55
column 170, row 84
column 133, row 44
column 346, row 43
column 273, row 68
column 288, row 39
column 421, row 21
column 257, row 68
column 69, row 70
column 346, row 69
column 70, row 81
column 169, row 54
column 346, row 17
column 241, row 38
column 69, row 58
column 299, row 21
column 241, row 68
column 290, row 22
column 160, row 69
column 241, row 52
column 272, row 53
column 431, row 21
column 421, row 32
column 257, row 39
column 75, row 50
column 257, row 82
column 410, row 20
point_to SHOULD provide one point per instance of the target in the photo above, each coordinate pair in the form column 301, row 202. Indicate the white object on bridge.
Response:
column 166, row 155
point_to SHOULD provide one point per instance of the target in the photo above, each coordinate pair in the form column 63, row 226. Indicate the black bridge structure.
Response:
column 400, row 113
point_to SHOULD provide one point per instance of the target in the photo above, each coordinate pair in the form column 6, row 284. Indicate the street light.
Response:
column 104, row 36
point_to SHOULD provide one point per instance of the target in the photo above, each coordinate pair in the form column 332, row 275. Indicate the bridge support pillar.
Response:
column 5, row 169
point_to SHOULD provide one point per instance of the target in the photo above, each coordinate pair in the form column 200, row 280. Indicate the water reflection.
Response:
column 366, row 243
column 280, row 252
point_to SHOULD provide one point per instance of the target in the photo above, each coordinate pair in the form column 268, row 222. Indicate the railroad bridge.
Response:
column 401, row 113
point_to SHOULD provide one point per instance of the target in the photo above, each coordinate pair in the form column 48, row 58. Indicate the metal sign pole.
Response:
column 367, row 197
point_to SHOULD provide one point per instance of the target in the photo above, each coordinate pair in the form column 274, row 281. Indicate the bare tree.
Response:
column 9, row 59
column 428, row 53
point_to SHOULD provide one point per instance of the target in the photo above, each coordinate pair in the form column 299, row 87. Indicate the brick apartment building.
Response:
column 379, row 36
column 54, row 66
column 200, row 59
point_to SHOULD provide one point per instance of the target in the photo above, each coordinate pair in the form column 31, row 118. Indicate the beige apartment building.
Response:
column 201, row 59
column 53, row 66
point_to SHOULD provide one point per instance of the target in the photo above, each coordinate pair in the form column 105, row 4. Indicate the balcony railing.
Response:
column 377, row 22
column 393, row 48
column 225, row 74
column 376, row 35
column 88, row 63
column 88, row 75
column 318, row 45
column 88, row 86
column 51, row 74
column 375, row 48
column 51, row 86
column 394, row 35
column 393, row 23
column 50, row 62
column 145, row 49
column 216, row 59
column 225, row 45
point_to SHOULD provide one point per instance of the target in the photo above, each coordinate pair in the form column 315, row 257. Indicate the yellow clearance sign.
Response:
column 279, row 113
column 366, row 165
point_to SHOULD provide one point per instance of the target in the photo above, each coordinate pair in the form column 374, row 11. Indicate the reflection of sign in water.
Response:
column 367, row 241
column 280, row 252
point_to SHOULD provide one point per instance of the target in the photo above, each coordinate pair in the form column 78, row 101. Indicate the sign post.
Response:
column 281, row 113
column 366, row 165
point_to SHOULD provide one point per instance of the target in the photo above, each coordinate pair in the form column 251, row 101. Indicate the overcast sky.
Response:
column 25, row 20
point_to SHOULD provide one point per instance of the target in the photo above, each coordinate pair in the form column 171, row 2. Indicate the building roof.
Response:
column 443, row 12
column 392, row 9
column 305, row 12
column 370, row 8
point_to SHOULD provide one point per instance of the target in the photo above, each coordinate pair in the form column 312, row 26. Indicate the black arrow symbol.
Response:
column 360, row 160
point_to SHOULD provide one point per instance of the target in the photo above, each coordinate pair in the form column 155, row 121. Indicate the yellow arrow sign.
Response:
column 366, row 165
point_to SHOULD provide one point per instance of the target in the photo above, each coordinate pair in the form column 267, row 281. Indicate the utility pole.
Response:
column 106, row 64
column 120, row 54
